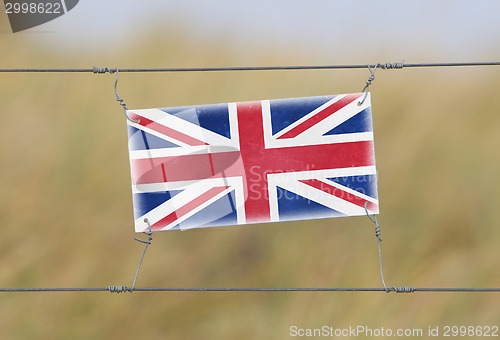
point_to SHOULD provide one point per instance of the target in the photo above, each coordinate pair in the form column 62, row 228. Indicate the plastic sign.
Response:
column 252, row 162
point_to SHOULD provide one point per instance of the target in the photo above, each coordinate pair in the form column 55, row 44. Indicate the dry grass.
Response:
column 66, row 214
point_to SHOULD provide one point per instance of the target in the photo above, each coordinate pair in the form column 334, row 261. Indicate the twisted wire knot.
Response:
column 371, row 78
column 369, row 81
column 378, row 232
column 374, row 220
column 118, row 289
column 118, row 99
column 390, row 66
column 403, row 289
column 103, row 70
column 125, row 108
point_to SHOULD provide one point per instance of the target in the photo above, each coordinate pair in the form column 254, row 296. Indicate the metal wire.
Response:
column 249, row 68
column 118, row 98
column 379, row 239
column 114, row 289
column 147, row 242
column 365, row 91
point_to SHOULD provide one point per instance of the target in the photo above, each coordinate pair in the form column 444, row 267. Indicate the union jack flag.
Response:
column 252, row 162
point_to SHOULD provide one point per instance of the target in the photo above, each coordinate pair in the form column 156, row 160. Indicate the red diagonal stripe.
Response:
column 185, row 209
column 337, row 192
column 164, row 130
column 318, row 117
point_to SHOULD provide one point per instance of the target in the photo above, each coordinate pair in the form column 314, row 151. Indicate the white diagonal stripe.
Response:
column 309, row 115
column 324, row 198
column 155, row 133
column 191, row 190
column 290, row 181
column 334, row 120
column 306, row 139
column 181, row 125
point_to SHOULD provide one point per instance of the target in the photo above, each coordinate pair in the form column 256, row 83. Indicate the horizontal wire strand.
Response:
column 249, row 68
column 125, row 289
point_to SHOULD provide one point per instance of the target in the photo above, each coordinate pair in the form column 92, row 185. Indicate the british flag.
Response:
column 252, row 162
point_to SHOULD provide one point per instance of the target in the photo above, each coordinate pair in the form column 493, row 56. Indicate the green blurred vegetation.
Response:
column 66, row 210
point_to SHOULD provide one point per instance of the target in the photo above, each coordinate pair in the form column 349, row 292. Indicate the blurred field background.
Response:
column 66, row 208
